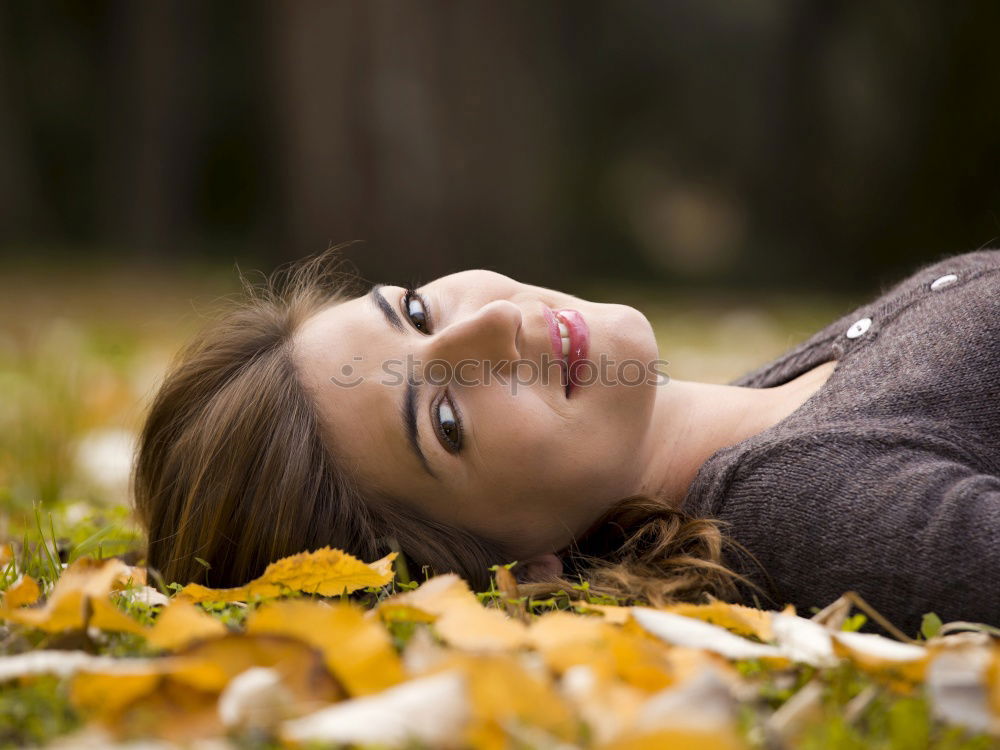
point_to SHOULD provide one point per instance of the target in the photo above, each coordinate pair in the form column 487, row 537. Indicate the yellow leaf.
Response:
column 103, row 696
column 992, row 679
column 459, row 617
column 725, row 738
column 23, row 591
column 903, row 665
column 85, row 583
column 566, row 641
column 181, row 623
column 107, row 616
column 503, row 692
column 326, row 571
column 610, row 612
column 404, row 613
column 433, row 597
column 356, row 649
column 735, row 617
column 175, row 697
column 555, row 629
column 475, row 627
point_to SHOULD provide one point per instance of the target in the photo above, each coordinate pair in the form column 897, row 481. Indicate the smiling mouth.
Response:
column 574, row 341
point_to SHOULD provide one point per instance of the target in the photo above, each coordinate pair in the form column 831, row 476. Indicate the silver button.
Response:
column 859, row 327
column 942, row 281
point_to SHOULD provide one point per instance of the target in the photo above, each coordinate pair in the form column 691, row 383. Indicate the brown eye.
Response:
column 447, row 424
column 416, row 311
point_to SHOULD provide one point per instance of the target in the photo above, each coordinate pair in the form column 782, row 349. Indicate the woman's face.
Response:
column 485, row 436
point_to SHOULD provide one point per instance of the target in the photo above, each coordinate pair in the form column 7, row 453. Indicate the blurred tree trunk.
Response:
column 148, row 138
column 388, row 134
column 21, row 210
column 324, row 150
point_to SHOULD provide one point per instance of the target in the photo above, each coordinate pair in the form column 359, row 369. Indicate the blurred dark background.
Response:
column 808, row 145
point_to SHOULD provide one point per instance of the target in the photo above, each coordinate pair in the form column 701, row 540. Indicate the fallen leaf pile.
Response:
column 432, row 665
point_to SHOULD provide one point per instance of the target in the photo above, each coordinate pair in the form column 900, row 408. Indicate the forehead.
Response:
column 339, row 352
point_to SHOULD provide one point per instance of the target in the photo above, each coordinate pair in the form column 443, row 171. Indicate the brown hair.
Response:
column 235, row 470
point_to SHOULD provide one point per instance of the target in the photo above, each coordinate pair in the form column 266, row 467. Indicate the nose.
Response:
column 490, row 333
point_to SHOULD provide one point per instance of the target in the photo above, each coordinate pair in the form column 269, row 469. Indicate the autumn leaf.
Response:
column 356, row 649
column 724, row 738
column 106, row 616
column 901, row 665
column 80, row 595
column 23, row 591
column 691, row 632
column 181, row 623
column 503, row 692
column 735, row 617
column 326, row 571
column 459, row 618
column 432, row 710
column 176, row 697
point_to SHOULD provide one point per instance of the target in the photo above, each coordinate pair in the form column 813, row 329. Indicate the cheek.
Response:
column 550, row 466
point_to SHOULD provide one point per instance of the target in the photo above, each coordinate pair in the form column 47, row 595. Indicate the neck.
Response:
column 691, row 421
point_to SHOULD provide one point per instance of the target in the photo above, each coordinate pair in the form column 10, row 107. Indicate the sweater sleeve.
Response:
column 911, row 530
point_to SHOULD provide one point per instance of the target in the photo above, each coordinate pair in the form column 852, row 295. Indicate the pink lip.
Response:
column 553, row 332
column 579, row 343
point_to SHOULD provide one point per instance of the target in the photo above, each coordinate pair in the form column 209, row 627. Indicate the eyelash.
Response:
column 410, row 295
column 453, row 446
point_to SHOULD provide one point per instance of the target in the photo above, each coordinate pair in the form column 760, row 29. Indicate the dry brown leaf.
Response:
column 326, row 571
column 23, row 591
column 356, row 649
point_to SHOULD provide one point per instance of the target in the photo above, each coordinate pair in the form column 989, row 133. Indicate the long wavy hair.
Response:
column 235, row 470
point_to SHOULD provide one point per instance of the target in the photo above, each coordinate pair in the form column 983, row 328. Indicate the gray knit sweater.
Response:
column 887, row 479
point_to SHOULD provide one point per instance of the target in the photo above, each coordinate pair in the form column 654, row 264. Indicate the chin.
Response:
column 630, row 334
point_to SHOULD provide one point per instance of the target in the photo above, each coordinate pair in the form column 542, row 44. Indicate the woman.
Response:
column 477, row 420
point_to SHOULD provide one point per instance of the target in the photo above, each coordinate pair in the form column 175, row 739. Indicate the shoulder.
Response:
column 904, row 520
column 818, row 462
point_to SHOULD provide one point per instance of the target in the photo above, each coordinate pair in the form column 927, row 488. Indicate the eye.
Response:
column 448, row 425
column 416, row 311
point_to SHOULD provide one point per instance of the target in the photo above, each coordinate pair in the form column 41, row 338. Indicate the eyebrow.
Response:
column 408, row 409
column 387, row 310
